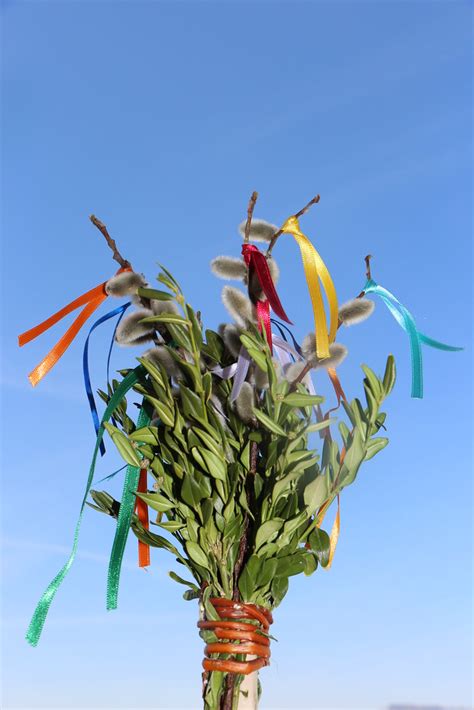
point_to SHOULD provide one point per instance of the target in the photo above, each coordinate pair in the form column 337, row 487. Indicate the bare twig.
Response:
column 250, row 209
column 111, row 242
column 312, row 202
column 367, row 264
column 368, row 274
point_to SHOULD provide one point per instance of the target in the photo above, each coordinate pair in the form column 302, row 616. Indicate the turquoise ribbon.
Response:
column 39, row 617
column 127, row 505
column 405, row 319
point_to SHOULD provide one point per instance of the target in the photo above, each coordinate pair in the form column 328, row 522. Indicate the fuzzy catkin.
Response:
column 159, row 307
column 238, row 305
column 293, row 370
column 124, row 284
column 229, row 267
column 261, row 376
column 260, row 230
column 160, row 355
column 356, row 311
column 337, row 353
column 245, row 402
column 131, row 332
column 231, row 337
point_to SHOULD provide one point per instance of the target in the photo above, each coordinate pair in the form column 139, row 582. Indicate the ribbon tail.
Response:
column 62, row 345
column 124, row 520
column 315, row 270
column 85, row 365
column 263, row 317
column 83, row 300
column 39, row 616
column 334, row 535
column 243, row 364
column 141, row 509
column 259, row 263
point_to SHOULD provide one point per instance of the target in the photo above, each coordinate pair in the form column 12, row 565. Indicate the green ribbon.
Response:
column 127, row 506
column 39, row 617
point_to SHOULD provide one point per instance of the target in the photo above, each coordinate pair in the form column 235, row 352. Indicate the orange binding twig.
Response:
column 241, row 629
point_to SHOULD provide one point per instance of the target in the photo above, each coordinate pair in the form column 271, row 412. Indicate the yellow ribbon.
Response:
column 315, row 270
column 336, row 527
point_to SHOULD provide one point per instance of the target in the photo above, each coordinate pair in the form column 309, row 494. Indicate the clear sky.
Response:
column 161, row 118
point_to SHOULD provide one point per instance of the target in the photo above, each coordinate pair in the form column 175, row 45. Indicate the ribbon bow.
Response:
column 405, row 319
column 315, row 270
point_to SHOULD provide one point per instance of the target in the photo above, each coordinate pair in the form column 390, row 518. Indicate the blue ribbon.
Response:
column 85, row 363
column 282, row 327
column 405, row 319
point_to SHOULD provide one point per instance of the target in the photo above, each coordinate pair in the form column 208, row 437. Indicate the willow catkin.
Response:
column 231, row 337
column 229, row 267
column 238, row 305
column 337, row 353
column 131, row 331
column 159, row 307
column 161, row 355
column 245, row 403
column 356, row 311
column 124, row 284
column 260, row 230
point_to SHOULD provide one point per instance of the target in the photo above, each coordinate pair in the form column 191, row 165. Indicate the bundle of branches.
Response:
column 239, row 491
column 228, row 433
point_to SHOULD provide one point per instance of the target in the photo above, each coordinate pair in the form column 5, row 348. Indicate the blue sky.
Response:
column 161, row 118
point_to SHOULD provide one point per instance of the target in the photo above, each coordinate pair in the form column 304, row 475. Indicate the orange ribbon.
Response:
column 91, row 300
column 141, row 509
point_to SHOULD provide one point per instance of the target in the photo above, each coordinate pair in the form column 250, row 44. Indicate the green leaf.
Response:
column 164, row 412
column 374, row 446
column 316, row 493
column 258, row 357
column 390, row 375
column 320, row 544
column 197, row 554
column 156, row 501
column 167, row 318
column 268, row 531
column 211, row 463
column 155, row 294
column 145, row 435
column 195, row 487
column 374, row 383
column 248, row 577
column 269, row 423
column 299, row 399
column 317, row 426
column 124, row 447
column 170, row 525
column 180, row 580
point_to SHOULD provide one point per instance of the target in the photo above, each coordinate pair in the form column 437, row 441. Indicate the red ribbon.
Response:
column 257, row 264
column 263, row 316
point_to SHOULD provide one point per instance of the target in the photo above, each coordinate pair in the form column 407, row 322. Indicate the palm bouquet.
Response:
column 232, row 450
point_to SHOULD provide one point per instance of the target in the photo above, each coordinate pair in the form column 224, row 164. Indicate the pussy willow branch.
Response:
column 110, row 242
column 250, row 209
column 312, row 202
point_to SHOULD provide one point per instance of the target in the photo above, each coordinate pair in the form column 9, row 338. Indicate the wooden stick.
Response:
column 312, row 202
column 110, row 242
